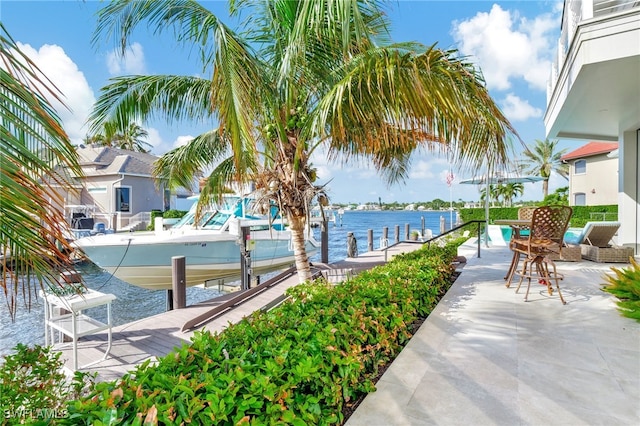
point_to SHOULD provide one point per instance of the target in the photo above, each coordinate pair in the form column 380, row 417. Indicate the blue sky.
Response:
column 513, row 43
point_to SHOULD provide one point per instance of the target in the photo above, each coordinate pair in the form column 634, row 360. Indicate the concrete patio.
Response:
column 486, row 357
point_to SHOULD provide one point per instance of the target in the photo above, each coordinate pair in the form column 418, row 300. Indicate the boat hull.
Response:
column 145, row 259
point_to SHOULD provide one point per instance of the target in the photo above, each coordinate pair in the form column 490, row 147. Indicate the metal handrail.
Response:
column 478, row 222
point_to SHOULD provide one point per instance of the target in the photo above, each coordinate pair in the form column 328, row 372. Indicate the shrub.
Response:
column 34, row 387
column 625, row 285
column 300, row 363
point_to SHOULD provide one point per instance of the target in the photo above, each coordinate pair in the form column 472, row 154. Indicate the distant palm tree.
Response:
column 542, row 160
column 301, row 75
column 129, row 137
column 33, row 145
column 494, row 194
column 508, row 192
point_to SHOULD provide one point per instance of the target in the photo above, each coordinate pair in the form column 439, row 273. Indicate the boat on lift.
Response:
column 211, row 247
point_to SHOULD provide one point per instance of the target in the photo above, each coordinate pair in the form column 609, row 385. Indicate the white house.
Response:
column 593, row 174
column 594, row 92
column 118, row 185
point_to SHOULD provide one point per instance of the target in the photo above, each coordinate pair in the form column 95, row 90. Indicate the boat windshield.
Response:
column 213, row 217
column 215, row 221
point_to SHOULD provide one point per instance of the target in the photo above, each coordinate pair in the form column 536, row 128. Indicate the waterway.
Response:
column 134, row 303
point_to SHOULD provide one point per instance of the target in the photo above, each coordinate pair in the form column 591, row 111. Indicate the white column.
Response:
column 629, row 190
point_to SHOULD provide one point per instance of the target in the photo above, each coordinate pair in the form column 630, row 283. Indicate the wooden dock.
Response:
column 156, row 336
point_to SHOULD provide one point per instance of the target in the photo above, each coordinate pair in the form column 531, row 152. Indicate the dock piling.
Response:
column 178, row 282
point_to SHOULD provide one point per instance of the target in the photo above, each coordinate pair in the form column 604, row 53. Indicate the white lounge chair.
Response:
column 595, row 243
column 597, row 234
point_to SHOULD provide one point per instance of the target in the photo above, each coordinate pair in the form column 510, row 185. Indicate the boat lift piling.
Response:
column 245, row 258
column 177, row 295
column 324, row 241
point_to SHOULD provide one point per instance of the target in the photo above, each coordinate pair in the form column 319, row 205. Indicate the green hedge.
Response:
column 300, row 363
column 581, row 214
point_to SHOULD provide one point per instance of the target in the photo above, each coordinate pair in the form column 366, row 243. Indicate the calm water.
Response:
column 134, row 303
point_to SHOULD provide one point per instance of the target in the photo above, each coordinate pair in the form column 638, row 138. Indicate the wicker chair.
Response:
column 546, row 234
column 524, row 213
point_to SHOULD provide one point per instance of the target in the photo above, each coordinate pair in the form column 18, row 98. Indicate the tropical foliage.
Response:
column 298, row 78
column 543, row 160
column 130, row 137
column 507, row 192
column 301, row 363
column 34, row 386
column 33, row 145
column 559, row 197
column 625, row 285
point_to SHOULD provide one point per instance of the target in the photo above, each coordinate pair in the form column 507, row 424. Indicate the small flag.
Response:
column 450, row 178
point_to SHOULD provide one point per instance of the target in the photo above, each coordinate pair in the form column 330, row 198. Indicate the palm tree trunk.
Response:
column 297, row 226
column 545, row 188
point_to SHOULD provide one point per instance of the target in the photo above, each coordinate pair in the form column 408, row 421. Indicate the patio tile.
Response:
column 484, row 356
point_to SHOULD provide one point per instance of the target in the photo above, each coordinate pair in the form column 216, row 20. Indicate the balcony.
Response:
column 594, row 88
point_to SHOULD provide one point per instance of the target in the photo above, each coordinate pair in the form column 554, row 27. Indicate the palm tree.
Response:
column 34, row 147
column 129, row 137
column 543, row 160
column 509, row 191
column 494, row 194
column 301, row 75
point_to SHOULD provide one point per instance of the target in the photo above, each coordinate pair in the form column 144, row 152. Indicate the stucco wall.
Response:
column 599, row 183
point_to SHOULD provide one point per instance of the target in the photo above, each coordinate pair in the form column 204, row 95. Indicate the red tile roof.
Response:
column 592, row 148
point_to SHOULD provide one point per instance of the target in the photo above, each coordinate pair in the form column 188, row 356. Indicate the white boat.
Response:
column 316, row 216
column 211, row 248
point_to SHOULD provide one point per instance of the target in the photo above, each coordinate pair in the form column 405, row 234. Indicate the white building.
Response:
column 593, row 174
column 594, row 92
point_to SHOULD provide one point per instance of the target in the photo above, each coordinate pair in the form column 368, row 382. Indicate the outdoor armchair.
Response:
column 546, row 236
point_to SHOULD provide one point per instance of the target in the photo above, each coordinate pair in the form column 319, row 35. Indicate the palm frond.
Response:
column 138, row 98
column 390, row 97
column 35, row 153
column 180, row 166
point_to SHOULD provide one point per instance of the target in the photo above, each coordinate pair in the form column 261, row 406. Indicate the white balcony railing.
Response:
column 575, row 12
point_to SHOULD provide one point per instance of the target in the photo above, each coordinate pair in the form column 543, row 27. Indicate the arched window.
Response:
column 580, row 167
column 579, row 199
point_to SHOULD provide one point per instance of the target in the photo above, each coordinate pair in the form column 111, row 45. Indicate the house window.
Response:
column 166, row 197
column 97, row 190
column 123, row 199
column 579, row 199
column 580, row 167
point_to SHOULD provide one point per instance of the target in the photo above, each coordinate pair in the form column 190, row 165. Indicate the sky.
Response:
column 512, row 42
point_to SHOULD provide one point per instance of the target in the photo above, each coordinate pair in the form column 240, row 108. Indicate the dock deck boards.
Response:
column 156, row 336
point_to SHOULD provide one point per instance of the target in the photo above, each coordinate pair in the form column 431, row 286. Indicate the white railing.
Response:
column 141, row 217
column 575, row 12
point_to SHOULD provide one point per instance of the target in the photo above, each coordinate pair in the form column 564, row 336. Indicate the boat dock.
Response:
column 156, row 336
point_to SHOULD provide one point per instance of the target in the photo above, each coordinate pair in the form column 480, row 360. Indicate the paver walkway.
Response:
column 486, row 357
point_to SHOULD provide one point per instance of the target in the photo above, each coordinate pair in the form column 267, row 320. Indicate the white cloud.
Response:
column 132, row 62
column 182, row 141
column 507, row 46
column 518, row 109
column 65, row 75
column 426, row 165
column 154, row 138
column 323, row 173
column 422, row 170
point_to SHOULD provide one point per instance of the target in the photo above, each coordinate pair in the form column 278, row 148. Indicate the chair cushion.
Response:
column 574, row 239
